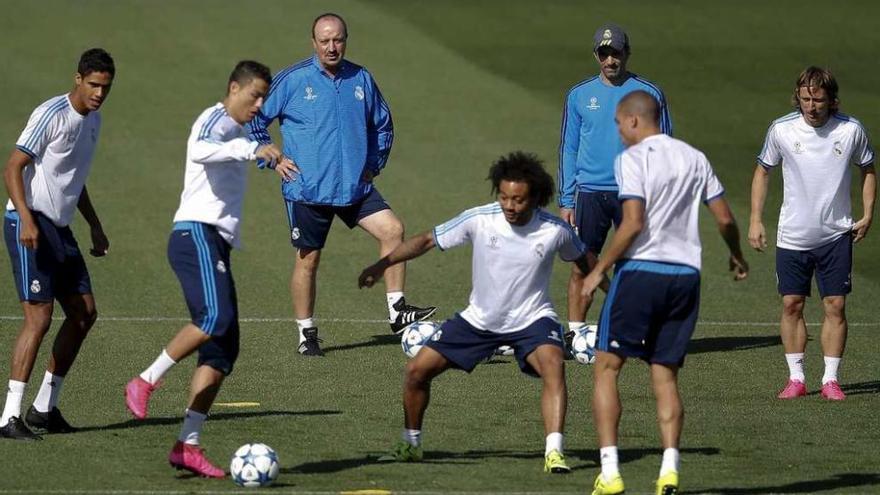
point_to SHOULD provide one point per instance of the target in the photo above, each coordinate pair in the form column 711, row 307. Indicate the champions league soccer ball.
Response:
column 504, row 350
column 415, row 336
column 253, row 465
column 583, row 345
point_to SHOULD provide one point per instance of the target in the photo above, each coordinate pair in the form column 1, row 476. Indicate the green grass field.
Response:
column 466, row 81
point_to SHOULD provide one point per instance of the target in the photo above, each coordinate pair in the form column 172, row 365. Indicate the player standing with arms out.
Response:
column 816, row 144
column 587, row 149
column 337, row 133
column 652, row 304
column 45, row 177
column 514, row 242
column 206, row 228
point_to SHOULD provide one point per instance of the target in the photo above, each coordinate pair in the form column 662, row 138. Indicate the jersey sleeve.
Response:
column 770, row 155
column 380, row 128
column 219, row 141
column 273, row 106
column 629, row 176
column 569, row 143
column 43, row 127
column 713, row 188
column 571, row 247
column 863, row 153
column 457, row 231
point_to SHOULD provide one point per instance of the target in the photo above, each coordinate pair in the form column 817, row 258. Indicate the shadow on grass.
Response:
column 722, row 344
column 836, row 482
column 862, row 388
column 226, row 416
column 632, row 455
column 376, row 340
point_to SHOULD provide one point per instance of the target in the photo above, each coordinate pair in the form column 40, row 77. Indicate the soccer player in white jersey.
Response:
column 206, row 228
column 652, row 304
column 816, row 146
column 45, row 177
column 514, row 242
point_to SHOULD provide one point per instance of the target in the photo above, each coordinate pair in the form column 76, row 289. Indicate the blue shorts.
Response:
column 465, row 346
column 310, row 224
column 200, row 258
column 55, row 269
column 594, row 213
column 650, row 311
column 832, row 264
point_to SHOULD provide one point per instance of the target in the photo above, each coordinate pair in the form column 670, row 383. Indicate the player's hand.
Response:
column 371, row 275
column 567, row 215
column 30, row 233
column 591, row 283
column 860, row 229
column 739, row 266
column 269, row 152
column 100, row 243
column 287, row 169
column 757, row 236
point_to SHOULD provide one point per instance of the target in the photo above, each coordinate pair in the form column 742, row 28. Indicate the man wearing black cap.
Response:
column 588, row 146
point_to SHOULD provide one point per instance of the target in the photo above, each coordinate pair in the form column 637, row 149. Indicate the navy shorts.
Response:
column 55, row 269
column 594, row 213
column 650, row 311
column 310, row 224
column 199, row 257
column 465, row 346
column 832, row 264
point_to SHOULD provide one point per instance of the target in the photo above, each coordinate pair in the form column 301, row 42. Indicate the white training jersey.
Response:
column 672, row 178
column 816, row 176
column 511, row 264
column 217, row 154
column 60, row 142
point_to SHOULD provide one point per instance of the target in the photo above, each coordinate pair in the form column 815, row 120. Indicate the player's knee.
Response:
column 835, row 307
column 392, row 231
column 793, row 306
column 38, row 322
column 415, row 375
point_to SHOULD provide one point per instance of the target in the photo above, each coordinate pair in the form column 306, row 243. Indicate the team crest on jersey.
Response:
column 221, row 266
column 310, row 94
column 70, row 138
column 838, row 148
column 539, row 250
column 294, row 234
column 35, row 286
column 493, row 242
column 594, row 103
column 798, row 147
column 359, row 92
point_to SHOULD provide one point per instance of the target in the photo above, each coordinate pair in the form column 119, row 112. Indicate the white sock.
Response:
column 392, row 298
column 670, row 461
column 412, row 437
column 608, row 457
column 157, row 370
column 302, row 325
column 13, row 401
column 795, row 366
column 47, row 397
column 192, row 426
column 553, row 442
column 831, row 365
column 574, row 326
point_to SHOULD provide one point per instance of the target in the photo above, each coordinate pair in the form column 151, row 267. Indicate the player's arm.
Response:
column 730, row 233
column 582, row 267
column 630, row 227
column 13, row 176
column 100, row 243
column 409, row 249
column 869, row 194
column 568, row 151
column 380, row 131
column 760, row 181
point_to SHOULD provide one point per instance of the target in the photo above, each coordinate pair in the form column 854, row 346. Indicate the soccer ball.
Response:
column 504, row 350
column 583, row 345
column 416, row 335
column 253, row 465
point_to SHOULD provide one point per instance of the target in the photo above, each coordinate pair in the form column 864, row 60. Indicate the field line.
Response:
column 275, row 490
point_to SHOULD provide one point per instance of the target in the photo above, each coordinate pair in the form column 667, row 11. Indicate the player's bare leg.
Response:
column 670, row 418
column 80, row 317
column 37, row 320
column 578, row 306
column 186, row 453
column 548, row 362
column 793, row 330
column 834, row 331
column 303, row 290
column 606, row 413
column 420, row 370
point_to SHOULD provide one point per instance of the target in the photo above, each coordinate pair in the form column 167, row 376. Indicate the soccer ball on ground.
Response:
column 583, row 345
column 504, row 350
column 253, row 465
column 416, row 335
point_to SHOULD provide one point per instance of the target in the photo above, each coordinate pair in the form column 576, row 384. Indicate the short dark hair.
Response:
column 95, row 60
column 248, row 70
column 817, row 77
column 520, row 166
column 326, row 15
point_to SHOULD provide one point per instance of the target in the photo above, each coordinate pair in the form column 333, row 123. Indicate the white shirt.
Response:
column 511, row 264
column 816, row 176
column 217, row 153
column 61, row 142
column 672, row 178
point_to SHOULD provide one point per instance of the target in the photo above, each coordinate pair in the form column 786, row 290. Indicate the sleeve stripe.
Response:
column 210, row 122
column 713, row 198
column 47, row 117
column 26, row 151
column 455, row 222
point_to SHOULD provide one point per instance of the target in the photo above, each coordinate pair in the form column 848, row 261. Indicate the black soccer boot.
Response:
column 407, row 315
column 48, row 422
column 310, row 347
column 17, row 430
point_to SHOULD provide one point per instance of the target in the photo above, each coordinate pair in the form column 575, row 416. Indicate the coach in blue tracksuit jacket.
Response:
column 337, row 134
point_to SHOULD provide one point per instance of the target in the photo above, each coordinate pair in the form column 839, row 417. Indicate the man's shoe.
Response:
column 192, row 458
column 554, row 462
column 310, row 346
column 137, row 396
column 832, row 391
column 403, row 452
column 793, row 389
column 613, row 487
column 567, row 339
column 48, row 422
column 668, row 484
column 407, row 315
column 17, row 430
